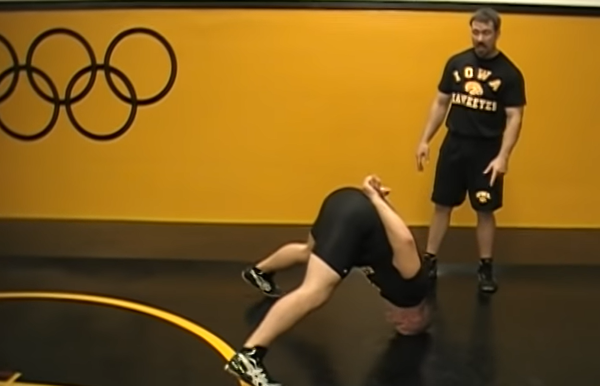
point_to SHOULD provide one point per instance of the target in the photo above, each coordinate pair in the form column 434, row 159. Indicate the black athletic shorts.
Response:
column 349, row 234
column 341, row 229
column 459, row 172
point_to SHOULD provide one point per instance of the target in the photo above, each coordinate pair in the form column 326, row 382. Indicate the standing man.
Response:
column 486, row 94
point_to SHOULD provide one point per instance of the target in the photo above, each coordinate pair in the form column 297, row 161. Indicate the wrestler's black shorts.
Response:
column 349, row 233
column 341, row 228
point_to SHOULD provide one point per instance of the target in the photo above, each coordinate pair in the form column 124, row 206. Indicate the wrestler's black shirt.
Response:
column 377, row 265
column 376, row 257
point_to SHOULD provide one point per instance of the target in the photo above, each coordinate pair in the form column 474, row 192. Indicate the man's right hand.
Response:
column 422, row 155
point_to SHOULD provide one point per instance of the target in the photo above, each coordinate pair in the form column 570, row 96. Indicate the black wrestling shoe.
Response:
column 487, row 282
column 246, row 366
column 264, row 282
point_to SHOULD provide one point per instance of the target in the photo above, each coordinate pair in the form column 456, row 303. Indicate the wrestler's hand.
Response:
column 373, row 188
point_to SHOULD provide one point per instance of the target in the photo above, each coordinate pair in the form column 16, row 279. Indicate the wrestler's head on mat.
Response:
column 409, row 321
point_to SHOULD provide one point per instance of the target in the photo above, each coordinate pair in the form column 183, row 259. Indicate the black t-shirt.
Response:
column 377, row 265
column 481, row 90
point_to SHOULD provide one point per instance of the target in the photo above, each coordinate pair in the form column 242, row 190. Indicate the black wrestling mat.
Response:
column 86, row 322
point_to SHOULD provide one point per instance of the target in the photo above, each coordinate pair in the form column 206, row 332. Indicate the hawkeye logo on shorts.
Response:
column 483, row 197
column 474, row 90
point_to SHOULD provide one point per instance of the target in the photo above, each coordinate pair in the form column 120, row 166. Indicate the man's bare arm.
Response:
column 514, row 120
column 406, row 256
column 437, row 113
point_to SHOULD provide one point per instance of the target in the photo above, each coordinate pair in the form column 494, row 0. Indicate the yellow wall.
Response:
column 272, row 109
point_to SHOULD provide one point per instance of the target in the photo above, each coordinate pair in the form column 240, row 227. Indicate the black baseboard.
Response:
column 231, row 242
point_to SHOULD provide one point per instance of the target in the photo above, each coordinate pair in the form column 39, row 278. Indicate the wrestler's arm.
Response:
column 406, row 255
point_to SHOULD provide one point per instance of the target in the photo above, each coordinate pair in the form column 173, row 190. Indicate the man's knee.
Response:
column 485, row 215
column 305, row 249
column 310, row 243
column 316, row 295
column 443, row 209
column 320, row 279
column 300, row 251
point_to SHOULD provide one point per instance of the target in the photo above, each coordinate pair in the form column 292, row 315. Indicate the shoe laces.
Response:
column 261, row 281
column 257, row 372
column 259, row 376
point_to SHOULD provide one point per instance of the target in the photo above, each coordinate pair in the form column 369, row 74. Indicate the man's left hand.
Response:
column 497, row 167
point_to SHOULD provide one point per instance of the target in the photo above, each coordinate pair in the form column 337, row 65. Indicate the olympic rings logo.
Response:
column 69, row 100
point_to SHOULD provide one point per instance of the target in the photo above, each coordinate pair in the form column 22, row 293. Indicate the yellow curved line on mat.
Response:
column 12, row 381
column 214, row 341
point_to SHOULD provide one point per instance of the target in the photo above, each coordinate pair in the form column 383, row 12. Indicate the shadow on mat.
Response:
column 450, row 362
column 400, row 362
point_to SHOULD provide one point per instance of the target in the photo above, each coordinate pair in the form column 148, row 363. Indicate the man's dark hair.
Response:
column 487, row 15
